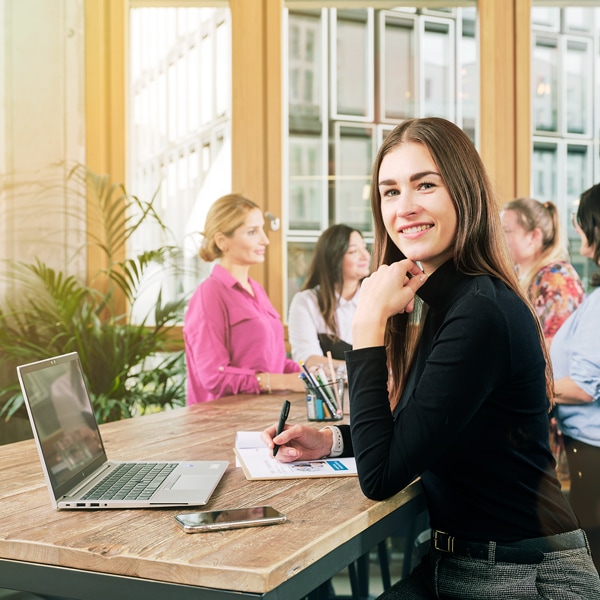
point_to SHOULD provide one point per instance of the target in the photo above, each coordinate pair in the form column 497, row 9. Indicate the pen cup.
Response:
column 325, row 402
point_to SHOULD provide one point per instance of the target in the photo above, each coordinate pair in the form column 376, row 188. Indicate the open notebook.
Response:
column 75, row 465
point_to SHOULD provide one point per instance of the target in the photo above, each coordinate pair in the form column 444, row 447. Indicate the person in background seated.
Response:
column 539, row 251
column 320, row 315
column 234, row 339
column 465, row 406
column 575, row 354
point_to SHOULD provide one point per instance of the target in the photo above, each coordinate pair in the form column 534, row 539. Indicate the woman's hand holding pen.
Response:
column 298, row 442
column 388, row 291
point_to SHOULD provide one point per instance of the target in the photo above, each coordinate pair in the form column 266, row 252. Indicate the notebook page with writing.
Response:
column 257, row 462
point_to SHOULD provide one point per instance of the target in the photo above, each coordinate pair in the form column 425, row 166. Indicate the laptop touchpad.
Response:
column 190, row 482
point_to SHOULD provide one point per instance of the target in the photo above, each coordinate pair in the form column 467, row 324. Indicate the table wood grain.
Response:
column 148, row 544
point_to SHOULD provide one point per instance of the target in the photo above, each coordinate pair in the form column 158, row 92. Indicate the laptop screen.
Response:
column 62, row 416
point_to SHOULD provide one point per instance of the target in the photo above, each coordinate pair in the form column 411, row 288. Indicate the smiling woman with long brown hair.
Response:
column 466, row 407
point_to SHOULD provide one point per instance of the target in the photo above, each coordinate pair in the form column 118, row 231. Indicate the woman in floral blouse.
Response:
column 537, row 248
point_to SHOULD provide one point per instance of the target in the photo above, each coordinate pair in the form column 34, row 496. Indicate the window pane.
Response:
column 438, row 72
column 180, row 150
column 306, row 196
column 223, row 80
column 353, row 165
column 300, row 254
column 578, row 173
column 172, row 101
column 546, row 17
column 468, row 70
column 399, row 69
column 305, row 72
column 352, row 79
column 578, row 176
column 578, row 88
column 544, row 163
column 545, row 86
column 194, row 91
column 207, row 109
column 578, row 19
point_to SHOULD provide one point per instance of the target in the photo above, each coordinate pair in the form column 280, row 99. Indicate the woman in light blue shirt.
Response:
column 575, row 354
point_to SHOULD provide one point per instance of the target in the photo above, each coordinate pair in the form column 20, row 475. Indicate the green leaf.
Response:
column 128, row 367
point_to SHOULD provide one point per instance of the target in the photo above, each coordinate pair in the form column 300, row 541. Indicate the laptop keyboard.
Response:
column 131, row 481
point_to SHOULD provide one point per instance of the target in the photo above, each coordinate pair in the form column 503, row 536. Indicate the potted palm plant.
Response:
column 130, row 367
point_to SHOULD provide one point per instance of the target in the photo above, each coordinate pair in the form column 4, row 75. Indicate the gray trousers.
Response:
column 562, row 575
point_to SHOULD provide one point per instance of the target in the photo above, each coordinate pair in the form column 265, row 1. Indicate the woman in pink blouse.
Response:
column 234, row 338
column 533, row 234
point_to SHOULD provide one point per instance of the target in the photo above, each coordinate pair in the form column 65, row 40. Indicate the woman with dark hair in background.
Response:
column 320, row 315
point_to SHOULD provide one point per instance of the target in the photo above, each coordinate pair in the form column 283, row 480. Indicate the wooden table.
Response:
column 143, row 554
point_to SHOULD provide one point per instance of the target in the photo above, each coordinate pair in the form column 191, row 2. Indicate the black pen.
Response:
column 285, row 411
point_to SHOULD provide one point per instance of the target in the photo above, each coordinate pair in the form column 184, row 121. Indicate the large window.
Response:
column 179, row 129
column 352, row 74
column 565, row 103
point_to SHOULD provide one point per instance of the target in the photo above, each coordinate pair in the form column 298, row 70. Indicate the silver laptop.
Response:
column 77, row 471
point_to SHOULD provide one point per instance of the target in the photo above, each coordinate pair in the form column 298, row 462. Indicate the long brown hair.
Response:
column 479, row 246
column 325, row 271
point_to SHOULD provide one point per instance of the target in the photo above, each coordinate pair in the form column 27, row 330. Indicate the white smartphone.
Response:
column 216, row 520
